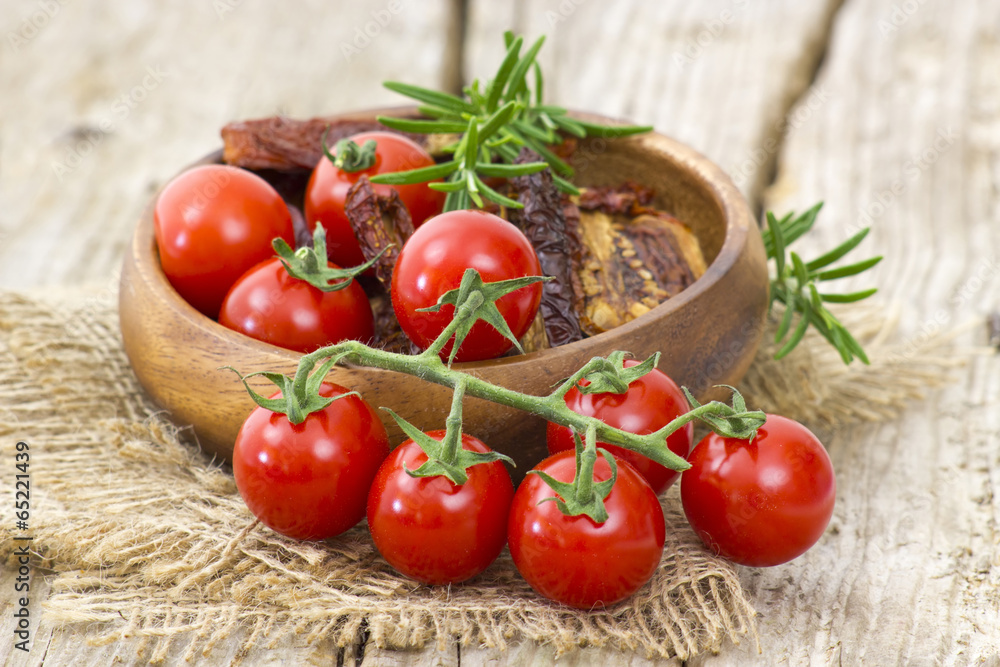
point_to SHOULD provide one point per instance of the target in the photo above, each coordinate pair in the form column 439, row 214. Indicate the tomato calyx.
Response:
column 350, row 157
column 310, row 265
column 475, row 300
column 732, row 422
column 299, row 396
column 583, row 496
column 447, row 457
column 471, row 304
column 613, row 377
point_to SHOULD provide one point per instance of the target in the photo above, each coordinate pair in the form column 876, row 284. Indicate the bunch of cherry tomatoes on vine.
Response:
column 757, row 502
column 585, row 527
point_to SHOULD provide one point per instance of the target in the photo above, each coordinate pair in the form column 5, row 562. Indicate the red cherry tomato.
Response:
column 310, row 481
column 764, row 502
column 650, row 403
column 212, row 223
column 432, row 530
column 328, row 186
column 433, row 261
column 575, row 561
column 270, row 305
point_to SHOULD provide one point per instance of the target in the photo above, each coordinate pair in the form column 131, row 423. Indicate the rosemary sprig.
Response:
column 795, row 284
column 494, row 121
column 472, row 161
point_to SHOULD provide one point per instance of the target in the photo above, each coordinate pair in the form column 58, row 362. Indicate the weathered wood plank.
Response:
column 247, row 80
column 56, row 647
column 428, row 657
column 109, row 100
column 536, row 656
column 900, row 131
column 717, row 75
column 909, row 143
column 11, row 593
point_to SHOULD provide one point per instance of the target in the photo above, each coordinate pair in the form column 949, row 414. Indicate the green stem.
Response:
column 585, row 474
column 707, row 410
column 551, row 408
column 607, row 374
column 560, row 392
column 453, row 424
column 462, row 314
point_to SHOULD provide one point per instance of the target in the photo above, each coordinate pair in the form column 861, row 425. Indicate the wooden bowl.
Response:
column 708, row 333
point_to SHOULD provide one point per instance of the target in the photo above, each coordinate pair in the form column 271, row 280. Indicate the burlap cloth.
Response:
column 146, row 537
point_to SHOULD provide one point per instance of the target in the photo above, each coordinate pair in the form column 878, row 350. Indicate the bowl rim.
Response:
column 714, row 180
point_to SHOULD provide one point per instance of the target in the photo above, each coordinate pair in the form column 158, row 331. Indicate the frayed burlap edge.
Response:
column 151, row 543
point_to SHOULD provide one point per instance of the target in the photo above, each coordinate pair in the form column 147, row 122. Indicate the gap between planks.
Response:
column 813, row 58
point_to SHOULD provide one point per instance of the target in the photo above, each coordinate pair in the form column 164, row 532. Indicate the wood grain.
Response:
column 717, row 75
column 909, row 143
column 70, row 646
column 910, row 570
column 112, row 99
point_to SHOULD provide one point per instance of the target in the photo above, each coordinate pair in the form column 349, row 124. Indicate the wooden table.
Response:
column 889, row 110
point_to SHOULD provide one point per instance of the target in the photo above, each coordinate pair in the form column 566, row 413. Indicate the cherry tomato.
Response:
column 764, row 502
column 650, row 403
column 270, row 305
column 212, row 223
column 328, row 186
column 310, row 481
column 574, row 560
column 431, row 529
column 433, row 261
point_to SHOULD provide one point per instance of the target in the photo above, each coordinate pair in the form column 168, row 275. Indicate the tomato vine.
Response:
column 472, row 300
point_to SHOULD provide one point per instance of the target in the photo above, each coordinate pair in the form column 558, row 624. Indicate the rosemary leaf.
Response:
column 848, row 298
column 499, row 170
column 796, row 337
column 777, row 239
column 564, row 185
column 795, row 284
column 497, row 84
column 539, row 82
column 495, row 196
column 421, row 175
column 801, row 225
column 567, row 124
column 498, row 119
column 448, row 186
column 786, row 319
column 517, row 82
column 422, row 126
column 849, row 270
column 838, row 252
column 436, row 98
column 799, row 270
column 614, row 131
